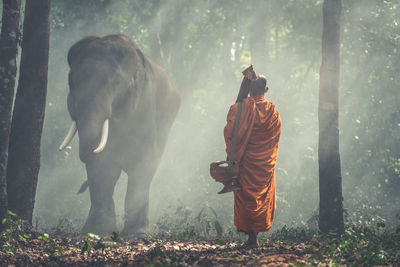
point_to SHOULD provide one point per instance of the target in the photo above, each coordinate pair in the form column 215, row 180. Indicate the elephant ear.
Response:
column 140, row 79
column 132, row 71
column 80, row 49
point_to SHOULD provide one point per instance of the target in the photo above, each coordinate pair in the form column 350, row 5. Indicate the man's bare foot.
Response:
column 252, row 242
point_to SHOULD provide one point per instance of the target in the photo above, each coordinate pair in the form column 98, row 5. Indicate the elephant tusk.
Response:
column 71, row 133
column 104, row 137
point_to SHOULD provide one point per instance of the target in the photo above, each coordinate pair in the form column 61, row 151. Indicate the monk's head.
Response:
column 259, row 86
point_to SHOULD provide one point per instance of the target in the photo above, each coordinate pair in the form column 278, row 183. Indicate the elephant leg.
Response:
column 102, row 177
column 137, row 203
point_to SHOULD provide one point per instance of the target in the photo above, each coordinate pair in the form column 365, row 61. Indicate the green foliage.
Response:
column 159, row 250
column 293, row 233
column 360, row 245
column 45, row 237
column 12, row 213
column 86, row 245
column 95, row 242
column 219, row 242
column 11, row 235
column 115, row 237
column 365, row 245
column 184, row 226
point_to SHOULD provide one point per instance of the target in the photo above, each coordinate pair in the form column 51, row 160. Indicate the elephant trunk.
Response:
column 70, row 135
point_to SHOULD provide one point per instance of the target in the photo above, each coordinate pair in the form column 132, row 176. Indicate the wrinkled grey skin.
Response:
column 111, row 79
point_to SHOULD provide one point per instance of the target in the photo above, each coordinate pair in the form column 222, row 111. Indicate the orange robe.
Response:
column 256, row 152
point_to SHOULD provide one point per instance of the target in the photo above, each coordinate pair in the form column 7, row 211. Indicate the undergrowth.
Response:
column 361, row 245
column 367, row 243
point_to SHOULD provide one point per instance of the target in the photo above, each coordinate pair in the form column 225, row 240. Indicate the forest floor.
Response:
column 64, row 251
column 21, row 245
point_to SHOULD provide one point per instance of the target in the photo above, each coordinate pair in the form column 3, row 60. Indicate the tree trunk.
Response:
column 151, row 21
column 177, row 46
column 277, row 25
column 8, row 69
column 258, row 36
column 29, row 108
column 171, row 41
column 330, row 178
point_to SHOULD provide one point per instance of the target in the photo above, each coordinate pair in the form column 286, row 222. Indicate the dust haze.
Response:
column 204, row 57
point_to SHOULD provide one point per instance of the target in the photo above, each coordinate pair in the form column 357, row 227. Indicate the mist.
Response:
column 204, row 46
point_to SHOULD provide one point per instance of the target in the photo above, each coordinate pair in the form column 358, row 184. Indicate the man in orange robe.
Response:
column 256, row 153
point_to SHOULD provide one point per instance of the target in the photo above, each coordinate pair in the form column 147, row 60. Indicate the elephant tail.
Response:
column 84, row 186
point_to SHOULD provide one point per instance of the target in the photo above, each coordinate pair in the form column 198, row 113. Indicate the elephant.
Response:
column 122, row 104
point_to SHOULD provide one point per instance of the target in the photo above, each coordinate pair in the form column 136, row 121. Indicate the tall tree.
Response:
column 147, row 12
column 171, row 41
column 330, row 178
column 27, row 123
column 8, row 70
column 258, row 35
column 177, row 50
column 171, row 38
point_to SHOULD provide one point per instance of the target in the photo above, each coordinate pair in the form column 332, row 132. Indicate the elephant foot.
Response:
column 134, row 232
column 136, row 235
column 101, row 225
column 99, row 229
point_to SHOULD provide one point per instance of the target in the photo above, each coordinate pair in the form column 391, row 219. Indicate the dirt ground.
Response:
column 80, row 251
